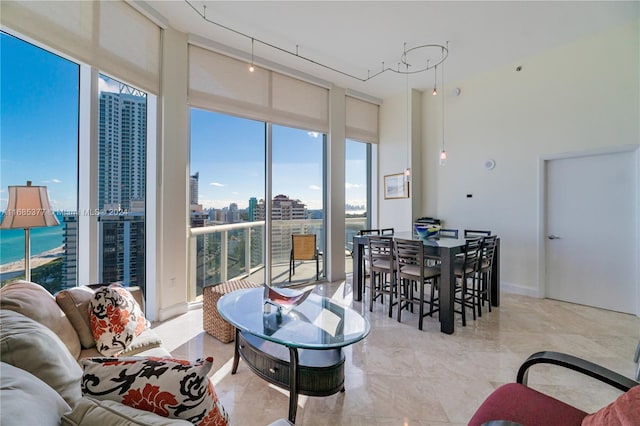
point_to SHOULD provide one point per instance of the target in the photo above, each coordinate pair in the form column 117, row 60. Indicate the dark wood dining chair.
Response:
column 382, row 280
column 466, row 271
column 469, row 233
column 365, row 255
column 386, row 231
column 487, row 256
column 413, row 273
column 448, row 233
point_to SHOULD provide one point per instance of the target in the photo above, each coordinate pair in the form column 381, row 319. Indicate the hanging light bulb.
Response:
column 443, row 157
column 443, row 153
column 407, row 171
column 251, row 67
column 435, row 81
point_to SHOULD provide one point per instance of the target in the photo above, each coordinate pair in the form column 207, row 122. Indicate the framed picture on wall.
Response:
column 396, row 186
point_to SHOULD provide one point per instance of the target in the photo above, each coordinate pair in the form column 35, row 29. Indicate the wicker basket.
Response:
column 212, row 321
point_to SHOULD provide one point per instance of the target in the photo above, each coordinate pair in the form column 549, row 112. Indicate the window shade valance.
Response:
column 362, row 120
column 109, row 35
column 224, row 84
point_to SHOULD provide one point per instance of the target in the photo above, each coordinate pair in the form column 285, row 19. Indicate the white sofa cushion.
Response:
column 37, row 303
column 29, row 345
column 27, row 400
column 89, row 411
column 75, row 304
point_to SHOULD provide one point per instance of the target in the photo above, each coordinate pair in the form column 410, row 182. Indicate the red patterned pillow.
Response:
column 116, row 318
column 169, row 387
column 624, row 411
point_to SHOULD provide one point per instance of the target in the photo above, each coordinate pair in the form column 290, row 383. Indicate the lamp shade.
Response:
column 28, row 207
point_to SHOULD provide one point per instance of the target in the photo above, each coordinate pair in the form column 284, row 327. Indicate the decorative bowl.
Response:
column 426, row 230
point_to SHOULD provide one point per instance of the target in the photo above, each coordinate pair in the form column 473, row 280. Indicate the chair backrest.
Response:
column 386, row 231
column 303, row 246
column 471, row 255
column 427, row 220
column 380, row 253
column 409, row 258
column 448, row 233
column 476, row 233
column 369, row 232
column 488, row 250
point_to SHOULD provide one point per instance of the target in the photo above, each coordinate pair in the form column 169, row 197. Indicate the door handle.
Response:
column 553, row 237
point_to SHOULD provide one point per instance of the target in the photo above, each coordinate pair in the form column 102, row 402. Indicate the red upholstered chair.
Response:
column 515, row 403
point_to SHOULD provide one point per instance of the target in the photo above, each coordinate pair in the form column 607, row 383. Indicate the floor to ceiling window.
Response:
column 39, row 94
column 43, row 98
column 357, row 191
column 122, row 154
column 228, row 205
column 297, row 188
column 227, row 187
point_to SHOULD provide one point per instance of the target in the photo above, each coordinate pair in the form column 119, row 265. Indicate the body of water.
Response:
column 42, row 239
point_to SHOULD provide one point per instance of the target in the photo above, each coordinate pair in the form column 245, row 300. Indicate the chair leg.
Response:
column 372, row 285
column 421, row 307
column 401, row 288
column 391, row 290
column 462, row 303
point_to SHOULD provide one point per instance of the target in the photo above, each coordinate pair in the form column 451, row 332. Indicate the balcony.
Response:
column 220, row 253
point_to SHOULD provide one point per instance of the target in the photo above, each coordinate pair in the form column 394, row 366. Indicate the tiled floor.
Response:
column 399, row 375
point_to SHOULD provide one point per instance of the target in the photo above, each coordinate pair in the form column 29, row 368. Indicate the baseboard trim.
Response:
column 519, row 289
column 173, row 311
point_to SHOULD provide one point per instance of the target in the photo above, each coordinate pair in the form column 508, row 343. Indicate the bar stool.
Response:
column 467, row 269
column 382, row 281
column 485, row 269
column 412, row 270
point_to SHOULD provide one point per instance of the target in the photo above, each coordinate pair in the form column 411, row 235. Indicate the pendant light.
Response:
column 251, row 67
column 407, row 171
column 435, row 81
column 443, row 153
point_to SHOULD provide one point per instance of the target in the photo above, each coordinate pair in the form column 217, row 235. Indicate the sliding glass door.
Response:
column 298, row 206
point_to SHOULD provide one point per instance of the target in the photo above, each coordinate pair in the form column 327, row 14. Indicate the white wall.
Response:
column 392, row 159
column 577, row 97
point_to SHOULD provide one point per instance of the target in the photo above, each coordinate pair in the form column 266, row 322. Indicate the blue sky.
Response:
column 38, row 121
column 39, row 141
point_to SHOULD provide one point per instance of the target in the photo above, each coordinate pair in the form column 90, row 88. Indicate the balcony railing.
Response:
column 219, row 253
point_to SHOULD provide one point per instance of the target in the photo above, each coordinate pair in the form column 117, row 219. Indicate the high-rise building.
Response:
column 233, row 214
column 70, row 240
column 194, row 188
column 122, row 142
column 122, row 145
column 282, row 208
column 253, row 205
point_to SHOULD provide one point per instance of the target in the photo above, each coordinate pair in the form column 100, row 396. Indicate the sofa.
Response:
column 45, row 340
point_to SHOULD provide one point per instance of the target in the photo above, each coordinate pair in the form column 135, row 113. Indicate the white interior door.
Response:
column 591, row 239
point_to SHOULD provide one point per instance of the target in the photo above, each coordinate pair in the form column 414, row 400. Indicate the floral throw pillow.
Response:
column 168, row 387
column 116, row 318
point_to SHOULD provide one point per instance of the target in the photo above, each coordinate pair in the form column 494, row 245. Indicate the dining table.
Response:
column 446, row 249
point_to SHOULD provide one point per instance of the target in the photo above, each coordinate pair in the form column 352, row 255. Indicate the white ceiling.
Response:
column 357, row 36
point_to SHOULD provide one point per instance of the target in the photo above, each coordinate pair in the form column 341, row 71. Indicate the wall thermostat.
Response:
column 489, row 164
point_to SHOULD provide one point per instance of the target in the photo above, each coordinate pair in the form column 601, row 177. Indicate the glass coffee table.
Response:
column 298, row 348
